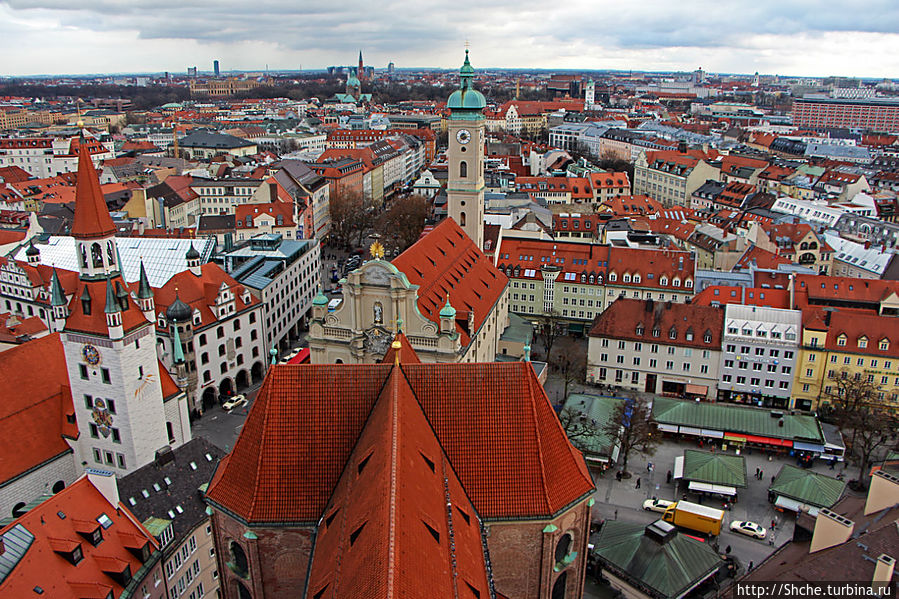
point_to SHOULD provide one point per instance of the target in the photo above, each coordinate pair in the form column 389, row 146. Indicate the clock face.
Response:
column 463, row 136
column 90, row 354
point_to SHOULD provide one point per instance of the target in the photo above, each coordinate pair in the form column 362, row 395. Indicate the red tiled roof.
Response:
column 762, row 259
column 407, row 354
column 493, row 420
column 14, row 329
column 200, row 292
column 56, row 575
column 855, row 326
column 275, row 209
column 613, row 179
column 630, row 205
column 95, row 321
column 446, row 262
column 10, row 236
column 168, row 384
column 821, row 288
column 14, row 174
column 625, row 316
column 91, row 213
column 754, row 296
column 36, row 404
column 391, row 523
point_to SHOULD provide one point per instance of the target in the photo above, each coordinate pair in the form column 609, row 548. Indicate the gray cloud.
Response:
column 419, row 33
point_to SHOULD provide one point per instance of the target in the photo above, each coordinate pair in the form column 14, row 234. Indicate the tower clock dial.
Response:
column 463, row 136
column 90, row 354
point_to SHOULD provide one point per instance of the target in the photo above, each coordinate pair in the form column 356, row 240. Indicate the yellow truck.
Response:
column 695, row 517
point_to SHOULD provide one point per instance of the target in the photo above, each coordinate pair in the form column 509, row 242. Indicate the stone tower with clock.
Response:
column 465, row 182
column 118, row 388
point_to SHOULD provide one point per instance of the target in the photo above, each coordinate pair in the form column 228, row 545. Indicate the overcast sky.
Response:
column 787, row 37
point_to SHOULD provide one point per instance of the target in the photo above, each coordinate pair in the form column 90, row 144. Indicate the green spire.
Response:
column 112, row 304
column 143, row 290
column 177, row 350
column 466, row 72
column 274, row 354
column 57, row 295
column 447, row 311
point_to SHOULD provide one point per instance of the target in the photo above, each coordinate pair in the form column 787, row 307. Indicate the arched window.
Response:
column 562, row 547
column 97, row 255
column 238, row 562
column 463, row 169
column 559, row 587
column 462, row 219
column 82, row 254
column 242, row 592
column 110, row 253
column 58, row 486
column 18, row 510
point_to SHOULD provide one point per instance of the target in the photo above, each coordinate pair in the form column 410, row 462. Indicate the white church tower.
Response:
column 465, row 182
column 110, row 348
column 590, row 95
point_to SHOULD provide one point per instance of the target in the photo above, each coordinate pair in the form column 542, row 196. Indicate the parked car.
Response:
column 235, row 402
column 657, row 505
column 751, row 529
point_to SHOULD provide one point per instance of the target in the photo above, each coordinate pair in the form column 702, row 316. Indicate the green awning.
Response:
column 576, row 327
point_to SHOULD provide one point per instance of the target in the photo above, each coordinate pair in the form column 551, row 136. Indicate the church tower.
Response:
column 465, row 183
column 360, row 72
column 110, row 346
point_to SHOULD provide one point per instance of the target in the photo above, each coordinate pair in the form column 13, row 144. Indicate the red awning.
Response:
column 696, row 389
column 762, row 440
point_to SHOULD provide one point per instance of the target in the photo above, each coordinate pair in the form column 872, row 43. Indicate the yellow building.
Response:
column 853, row 345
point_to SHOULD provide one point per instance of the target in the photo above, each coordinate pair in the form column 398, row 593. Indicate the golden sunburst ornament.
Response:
column 376, row 250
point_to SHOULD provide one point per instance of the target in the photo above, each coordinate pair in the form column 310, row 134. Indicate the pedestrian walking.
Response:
column 761, row 474
column 832, row 464
column 750, row 567
column 757, row 470
column 616, row 514
column 773, row 476
column 668, row 477
column 727, row 550
column 649, row 466
column 637, row 486
column 773, row 524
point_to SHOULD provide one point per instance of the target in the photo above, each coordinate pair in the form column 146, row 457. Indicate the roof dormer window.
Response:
column 863, row 342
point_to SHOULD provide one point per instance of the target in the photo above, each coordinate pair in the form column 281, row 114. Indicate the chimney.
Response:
column 792, row 286
column 883, row 492
column 105, row 482
column 883, row 573
column 831, row 529
column 272, row 192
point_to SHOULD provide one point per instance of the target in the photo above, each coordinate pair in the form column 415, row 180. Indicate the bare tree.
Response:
column 581, row 430
column 351, row 217
column 866, row 421
column 631, row 427
column 549, row 327
column 569, row 360
column 401, row 224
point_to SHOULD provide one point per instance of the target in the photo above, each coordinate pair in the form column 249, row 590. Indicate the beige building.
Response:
column 670, row 176
column 447, row 298
column 657, row 347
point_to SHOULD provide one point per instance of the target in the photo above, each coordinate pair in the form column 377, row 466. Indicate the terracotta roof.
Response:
column 407, row 354
column 626, row 317
column 168, row 384
column 91, row 213
column 399, row 515
column 753, row 296
column 16, row 330
column 858, row 329
column 822, row 288
column 254, row 211
column 95, row 321
column 14, row 174
column 612, row 179
column 10, row 236
column 37, row 404
column 200, row 292
column 446, row 262
column 630, row 205
column 493, row 421
column 652, row 265
column 760, row 258
column 53, row 524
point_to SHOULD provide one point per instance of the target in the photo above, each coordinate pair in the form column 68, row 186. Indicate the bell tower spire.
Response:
column 92, row 227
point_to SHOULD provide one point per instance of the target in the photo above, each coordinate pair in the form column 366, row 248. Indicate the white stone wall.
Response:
column 139, row 411
column 37, row 482
column 295, row 303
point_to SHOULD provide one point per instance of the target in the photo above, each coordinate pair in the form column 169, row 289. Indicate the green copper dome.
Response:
column 466, row 98
column 447, row 311
column 320, row 299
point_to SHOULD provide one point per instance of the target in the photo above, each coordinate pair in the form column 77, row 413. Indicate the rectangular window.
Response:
column 94, row 431
column 754, row 382
column 88, row 402
column 97, row 457
column 82, row 369
column 686, row 367
column 669, row 365
column 704, row 369
column 110, row 405
column 105, row 376
column 741, row 380
column 121, row 460
column 809, row 372
column 116, row 438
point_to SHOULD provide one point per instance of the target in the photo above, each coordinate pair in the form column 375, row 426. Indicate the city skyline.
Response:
column 788, row 38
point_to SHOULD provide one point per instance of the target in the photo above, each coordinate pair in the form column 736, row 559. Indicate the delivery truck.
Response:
column 695, row 517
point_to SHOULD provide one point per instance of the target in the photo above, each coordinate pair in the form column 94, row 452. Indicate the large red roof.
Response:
column 91, row 213
column 399, row 514
column 636, row 320
column 37, row 408
column 95, row 321
column 200, row 292
column 60, row 523
column 493, row 421
column 446, row 262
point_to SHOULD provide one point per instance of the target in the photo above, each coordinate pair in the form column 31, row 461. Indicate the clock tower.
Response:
column 465, row 182
column 116, row 381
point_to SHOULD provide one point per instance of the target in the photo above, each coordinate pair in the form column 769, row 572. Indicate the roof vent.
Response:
column 660, row 531
column 164, row 455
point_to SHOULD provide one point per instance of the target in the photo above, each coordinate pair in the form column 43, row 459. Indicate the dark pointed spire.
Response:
column 144, row 291
column 112, row 304
column 32, row 251
column 57, row 295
